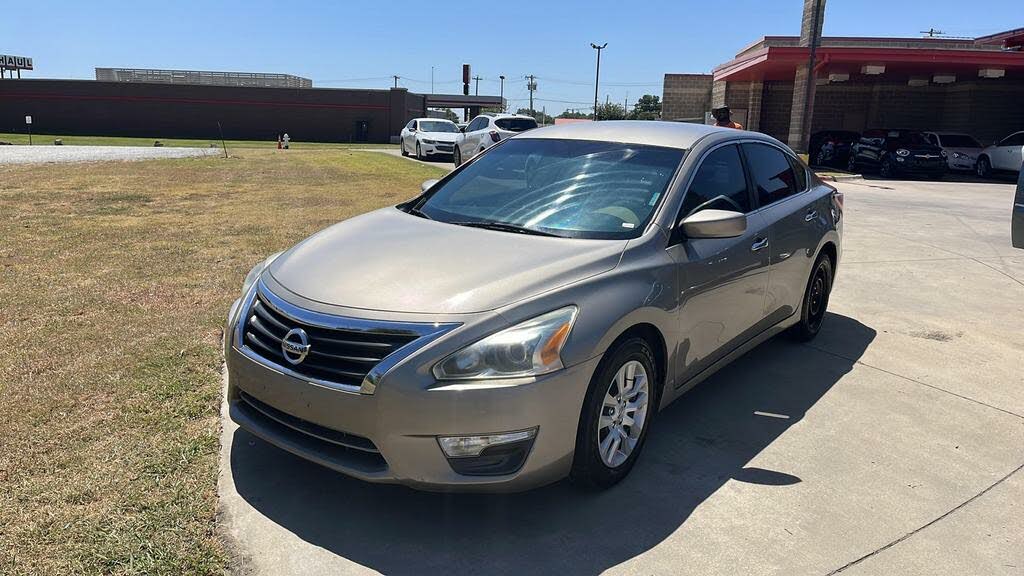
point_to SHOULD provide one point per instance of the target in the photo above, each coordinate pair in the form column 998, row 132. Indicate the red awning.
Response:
column 780, row 63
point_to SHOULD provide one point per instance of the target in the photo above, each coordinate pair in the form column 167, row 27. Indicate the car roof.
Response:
column 651, row 132
column 434, row 119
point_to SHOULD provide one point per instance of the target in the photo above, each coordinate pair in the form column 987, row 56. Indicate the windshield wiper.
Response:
column 417, row 212
column 505, row 227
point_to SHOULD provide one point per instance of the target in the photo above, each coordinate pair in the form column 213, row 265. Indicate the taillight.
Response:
column 495, row 136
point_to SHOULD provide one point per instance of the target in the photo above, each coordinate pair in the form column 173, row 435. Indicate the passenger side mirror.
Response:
column 714, row 224
column 428, row 184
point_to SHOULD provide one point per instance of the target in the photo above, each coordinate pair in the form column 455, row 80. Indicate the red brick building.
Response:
column 964, row 85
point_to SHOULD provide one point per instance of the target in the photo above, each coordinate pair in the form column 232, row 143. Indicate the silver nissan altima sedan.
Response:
column 524, row 318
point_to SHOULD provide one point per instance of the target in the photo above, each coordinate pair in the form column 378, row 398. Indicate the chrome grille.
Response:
column 339, row 355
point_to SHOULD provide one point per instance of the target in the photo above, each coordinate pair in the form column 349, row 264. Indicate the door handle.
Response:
column 811, row 215
column 759, row 244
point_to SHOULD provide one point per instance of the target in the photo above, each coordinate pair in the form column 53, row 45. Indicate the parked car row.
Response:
column 896, row 152
column 426, row 137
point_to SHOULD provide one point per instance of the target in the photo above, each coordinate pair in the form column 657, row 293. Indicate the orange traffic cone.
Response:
column 278, row 141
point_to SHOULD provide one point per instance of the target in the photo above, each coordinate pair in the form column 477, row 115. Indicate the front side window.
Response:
column 568, row 188
column 720, row 183
column 1014, row 140
column 772, row 173
column 959, row 141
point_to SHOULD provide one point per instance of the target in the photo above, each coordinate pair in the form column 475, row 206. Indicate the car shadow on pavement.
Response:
column 696, row 445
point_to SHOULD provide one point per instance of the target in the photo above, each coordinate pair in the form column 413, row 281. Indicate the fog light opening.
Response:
column 471, row 446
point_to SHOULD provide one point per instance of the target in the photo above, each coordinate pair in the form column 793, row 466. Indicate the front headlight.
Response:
column 903, row 152
column 428, row 141
column 530, row 348
column 254, row 274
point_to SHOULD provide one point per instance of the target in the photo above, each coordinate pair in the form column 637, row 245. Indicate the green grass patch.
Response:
column 115, row 278
column 48, row 139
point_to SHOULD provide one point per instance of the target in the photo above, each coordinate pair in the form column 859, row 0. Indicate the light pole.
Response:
column 597, row 76
column 501, row 91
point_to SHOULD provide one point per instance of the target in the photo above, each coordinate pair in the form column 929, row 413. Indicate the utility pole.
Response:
column 431, row 79
column 531, row 85
column 396, row 77
column 597, row 76
column 805, row 135
column 476, row 90
column 501, row 91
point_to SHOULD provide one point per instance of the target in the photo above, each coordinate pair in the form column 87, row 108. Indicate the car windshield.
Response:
column 516, row 124
column 959, row 141
column 568, row 188
column 437, row 126
column 912, row 139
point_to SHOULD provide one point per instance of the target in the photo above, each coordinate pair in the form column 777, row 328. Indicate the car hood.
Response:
column 388, row 260
column 440, row 136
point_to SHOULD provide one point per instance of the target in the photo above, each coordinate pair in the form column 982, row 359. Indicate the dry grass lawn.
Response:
column 114, row 282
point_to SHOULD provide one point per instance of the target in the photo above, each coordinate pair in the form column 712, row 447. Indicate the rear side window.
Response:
column 516, row 124
column 772, row 173
column 1014, row 140
column 719, row 184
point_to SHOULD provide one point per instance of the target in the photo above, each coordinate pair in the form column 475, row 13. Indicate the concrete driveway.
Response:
column 892, row 444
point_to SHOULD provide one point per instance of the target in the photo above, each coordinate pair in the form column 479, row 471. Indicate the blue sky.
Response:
column 361, row 44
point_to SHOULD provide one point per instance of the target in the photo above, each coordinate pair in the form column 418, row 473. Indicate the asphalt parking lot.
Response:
column 892, row 444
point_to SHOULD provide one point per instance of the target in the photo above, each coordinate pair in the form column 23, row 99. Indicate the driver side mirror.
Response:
column 462, row 129
column 714, row 224
column 428, row 184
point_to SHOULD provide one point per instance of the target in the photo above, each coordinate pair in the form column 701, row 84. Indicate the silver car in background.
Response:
column 526, row 317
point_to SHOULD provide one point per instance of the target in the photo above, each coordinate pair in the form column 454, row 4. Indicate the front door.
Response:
column 722, row 281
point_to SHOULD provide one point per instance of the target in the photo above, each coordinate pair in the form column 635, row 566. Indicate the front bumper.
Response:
column 391, row 436
column 446, row 148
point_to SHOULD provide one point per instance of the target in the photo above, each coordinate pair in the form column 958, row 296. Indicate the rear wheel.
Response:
column 983, row 167
column 815, row 302
column 616, row 415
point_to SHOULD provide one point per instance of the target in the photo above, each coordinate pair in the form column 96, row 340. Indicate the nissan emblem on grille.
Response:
column 295, row 345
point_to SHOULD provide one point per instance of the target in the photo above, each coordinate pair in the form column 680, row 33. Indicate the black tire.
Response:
column 588, row 468
column 887, row 169
column 419, row 152
column 983, row 168
column 402, row 146
column 851, row 163
column 815, row 301
column 457, row 157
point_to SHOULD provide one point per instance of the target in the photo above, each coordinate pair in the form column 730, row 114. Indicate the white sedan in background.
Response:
column 961, row 149
column 1007, row 154
column 487, row 130
column 426, row 137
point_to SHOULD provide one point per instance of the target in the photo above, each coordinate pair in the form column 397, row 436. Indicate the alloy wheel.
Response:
column 623, row 414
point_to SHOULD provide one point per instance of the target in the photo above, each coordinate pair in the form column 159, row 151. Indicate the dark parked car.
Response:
column 832, row 147
column 897, row 152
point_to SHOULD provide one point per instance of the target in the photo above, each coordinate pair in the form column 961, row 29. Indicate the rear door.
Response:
column 795, row 219
column 1010, row 153
column 722, row 280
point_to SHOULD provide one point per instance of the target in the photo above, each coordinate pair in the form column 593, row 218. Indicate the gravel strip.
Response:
column 46, row 154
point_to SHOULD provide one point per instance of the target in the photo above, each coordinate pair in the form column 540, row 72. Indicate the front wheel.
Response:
column 851, row 163
column 402, row 146
column 419, row 152
column 457, row 157
column 983, row 167
column 886, row 170
column 616, row 415
column 815, row 302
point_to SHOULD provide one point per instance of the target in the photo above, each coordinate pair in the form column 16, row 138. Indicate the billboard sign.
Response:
column 15, row 62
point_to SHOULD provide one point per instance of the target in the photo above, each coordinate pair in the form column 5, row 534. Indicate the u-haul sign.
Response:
column 15, row 62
